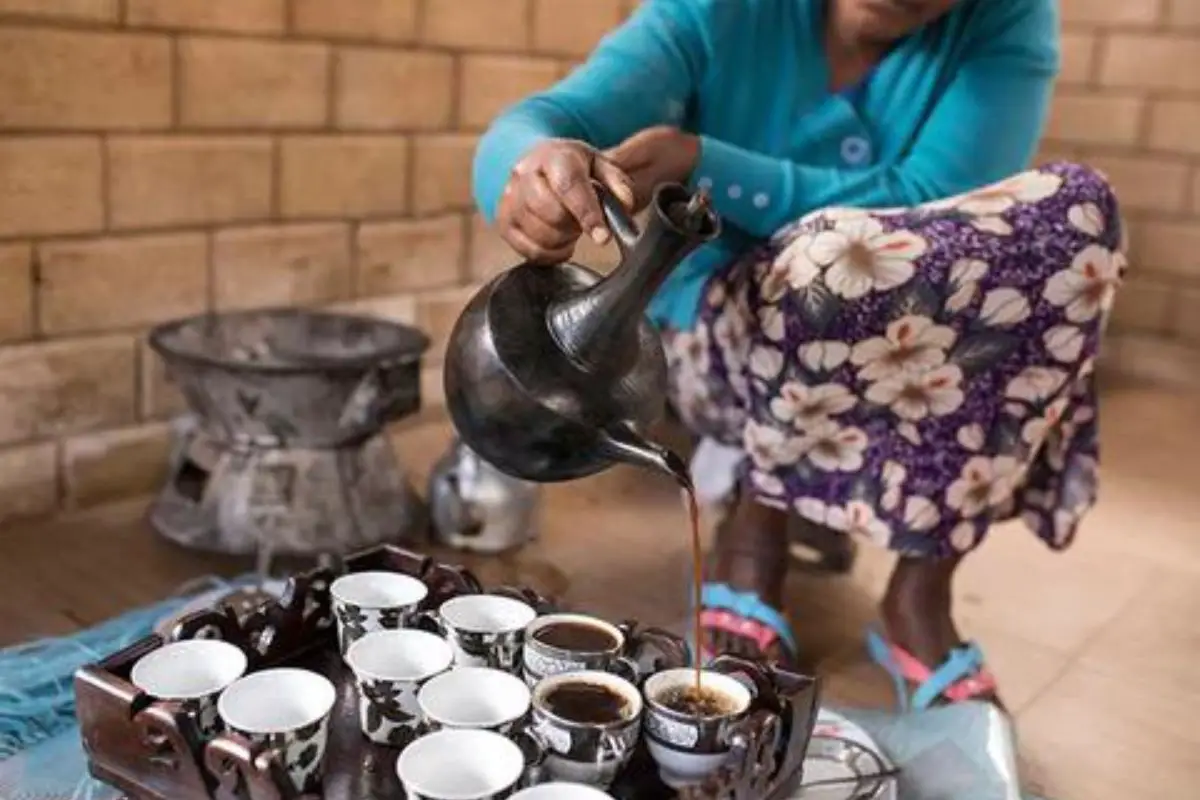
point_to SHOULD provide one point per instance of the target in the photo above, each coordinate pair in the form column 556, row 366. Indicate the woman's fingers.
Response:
column 615, row 179
column 569, row 174
column 543, row 203
column 550, row 200
column 549, row 237
column 535, row 251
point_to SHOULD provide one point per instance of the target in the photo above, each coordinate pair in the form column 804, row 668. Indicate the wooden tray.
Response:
column 152, row 750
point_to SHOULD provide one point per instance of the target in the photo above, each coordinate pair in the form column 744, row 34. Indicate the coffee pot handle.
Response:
column 623, row 228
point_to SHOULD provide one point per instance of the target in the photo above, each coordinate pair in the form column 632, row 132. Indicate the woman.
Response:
column 909, row 375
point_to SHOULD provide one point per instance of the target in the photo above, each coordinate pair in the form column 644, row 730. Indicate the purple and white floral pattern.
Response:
column 911, row 376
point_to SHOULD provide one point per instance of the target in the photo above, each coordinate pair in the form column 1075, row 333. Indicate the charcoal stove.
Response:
column 283, row 450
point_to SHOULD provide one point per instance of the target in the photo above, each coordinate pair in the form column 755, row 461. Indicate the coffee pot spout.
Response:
column 621, row 442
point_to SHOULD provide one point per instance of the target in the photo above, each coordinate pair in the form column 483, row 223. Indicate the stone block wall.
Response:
column 1129, row 103
column 163, row 157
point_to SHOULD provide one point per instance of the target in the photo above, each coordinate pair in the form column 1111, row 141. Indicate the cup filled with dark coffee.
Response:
column 691, row 715
column 587, row 723
column 561, row 643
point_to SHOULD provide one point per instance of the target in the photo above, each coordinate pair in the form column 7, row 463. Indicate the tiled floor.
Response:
column 1095, row 649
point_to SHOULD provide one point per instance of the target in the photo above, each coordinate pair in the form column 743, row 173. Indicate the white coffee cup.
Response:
column 486, row 630
column 288, row 711
column 373, row 601
column 688, row 748
column 458, row 764
column 193, row 673
column 390, row 667
column 474, row 697
column 559, row 790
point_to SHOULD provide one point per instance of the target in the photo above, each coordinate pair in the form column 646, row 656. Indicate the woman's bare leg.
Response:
column 750, row 555
column 917, row 610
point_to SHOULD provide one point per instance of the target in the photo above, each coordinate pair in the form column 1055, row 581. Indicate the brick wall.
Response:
column 1129, row 103
column 163, row 157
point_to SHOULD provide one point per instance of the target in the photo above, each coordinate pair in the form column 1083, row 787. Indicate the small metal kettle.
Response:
column 473, row 506
column 554, row 372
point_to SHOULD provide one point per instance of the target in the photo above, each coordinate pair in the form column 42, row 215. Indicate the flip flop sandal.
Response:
column 740, row 613
column 961, row 677
column 746, row 616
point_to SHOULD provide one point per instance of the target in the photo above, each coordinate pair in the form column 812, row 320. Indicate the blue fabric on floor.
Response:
column 41, row 754
column 955, row 752
column 55, row 769
column 37, row 699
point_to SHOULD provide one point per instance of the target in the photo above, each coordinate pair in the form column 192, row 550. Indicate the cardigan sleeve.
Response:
column 641, row 75
column 984, row 128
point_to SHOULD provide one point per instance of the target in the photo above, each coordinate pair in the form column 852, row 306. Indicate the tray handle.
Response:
column 531, row 597
column 667, row 651
column 245, row 771
column 446, row 581
column 766, row 696
column 208, row 624
column 753, row 765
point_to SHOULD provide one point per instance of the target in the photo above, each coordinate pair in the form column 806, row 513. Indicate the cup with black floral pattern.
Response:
column 390, row 667
column 474, row 697
column 192, row 673
column 287, row 710
column 462, row 764
column 486, row 630
column 373, row 601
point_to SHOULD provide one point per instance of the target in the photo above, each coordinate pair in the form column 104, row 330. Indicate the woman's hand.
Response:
column 549, row 200
column 656, row 155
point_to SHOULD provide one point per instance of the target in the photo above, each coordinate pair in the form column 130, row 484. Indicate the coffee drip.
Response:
column 553, row 372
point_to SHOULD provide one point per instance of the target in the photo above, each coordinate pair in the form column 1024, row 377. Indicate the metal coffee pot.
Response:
column 554, row 372
column 473, row 506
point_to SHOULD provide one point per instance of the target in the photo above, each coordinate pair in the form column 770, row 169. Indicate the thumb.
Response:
column 614, row 179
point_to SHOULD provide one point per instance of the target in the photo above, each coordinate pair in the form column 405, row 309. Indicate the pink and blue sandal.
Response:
column 961, row 677
column 746, row 616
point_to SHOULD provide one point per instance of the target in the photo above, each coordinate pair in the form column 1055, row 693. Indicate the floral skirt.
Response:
column 911, row 376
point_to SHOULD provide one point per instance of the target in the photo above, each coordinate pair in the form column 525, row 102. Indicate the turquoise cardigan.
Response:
column 956, row 105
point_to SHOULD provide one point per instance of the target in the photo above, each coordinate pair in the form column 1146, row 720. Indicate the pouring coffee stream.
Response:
column 553, row 372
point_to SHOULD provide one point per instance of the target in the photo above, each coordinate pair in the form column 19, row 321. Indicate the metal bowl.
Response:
column 293, row 377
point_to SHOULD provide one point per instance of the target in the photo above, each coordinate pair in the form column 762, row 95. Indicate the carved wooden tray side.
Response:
column 152, row 750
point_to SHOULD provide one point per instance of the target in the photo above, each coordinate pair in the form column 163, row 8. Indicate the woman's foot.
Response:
column 916, row 611
column 750, row 558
